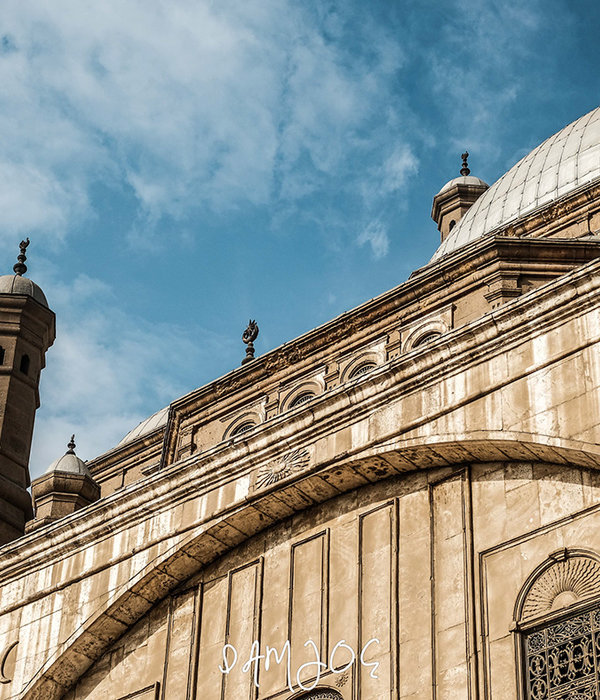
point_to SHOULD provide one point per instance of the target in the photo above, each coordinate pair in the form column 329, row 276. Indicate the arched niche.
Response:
column 241, row 424
column 301, row 393
column 425, row 332
column 557, row 622
column 354, row 368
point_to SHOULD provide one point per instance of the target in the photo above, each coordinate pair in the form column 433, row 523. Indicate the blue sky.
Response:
column 183, row 166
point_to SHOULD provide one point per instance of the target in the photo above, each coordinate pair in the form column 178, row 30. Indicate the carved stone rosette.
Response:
column 288, row 464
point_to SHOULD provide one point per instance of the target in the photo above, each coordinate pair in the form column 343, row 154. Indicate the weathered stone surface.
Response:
column 396, row 516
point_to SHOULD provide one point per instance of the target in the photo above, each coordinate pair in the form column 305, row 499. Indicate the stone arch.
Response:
column 567, row 577
column 431, row 328
column 252, row 418
column 364, row 358
column 557, row 626
column 202, row 545
column 319, row 694
column 311, row 386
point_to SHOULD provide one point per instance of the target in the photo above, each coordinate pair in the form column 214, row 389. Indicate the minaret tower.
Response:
column 27, row 330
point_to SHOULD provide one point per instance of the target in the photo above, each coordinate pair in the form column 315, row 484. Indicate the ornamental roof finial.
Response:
column 248, row 337
column 465, row 166
column 20, row 267
column 71, row 446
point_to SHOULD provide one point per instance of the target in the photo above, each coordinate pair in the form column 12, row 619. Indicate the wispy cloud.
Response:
column 186, row 105
column 388, row 177
column 375, row 234
column 107, row 367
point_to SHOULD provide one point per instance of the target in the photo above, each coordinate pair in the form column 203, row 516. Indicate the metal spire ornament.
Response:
column 465, row 166
column 71, row 446
column 20, row 268
column 249, row 336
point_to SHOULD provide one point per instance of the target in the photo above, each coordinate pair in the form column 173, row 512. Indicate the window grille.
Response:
column 243, row 428
column 303, row 398
column 427, row 338
column 558, row 618
column 362, row 369
column 562, row 658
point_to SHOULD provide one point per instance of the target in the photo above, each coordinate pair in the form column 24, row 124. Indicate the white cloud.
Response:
column 106, row 365
column 31, row 198
column 375, row 234
column 188, row 103
column 399, row 165
column 390, row 177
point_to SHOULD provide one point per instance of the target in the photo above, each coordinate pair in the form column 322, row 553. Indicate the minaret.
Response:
column 27, row 330
column 455, row 198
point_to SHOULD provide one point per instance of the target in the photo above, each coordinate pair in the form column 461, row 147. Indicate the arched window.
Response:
column 558, row 620
column 24, row 366
column 243, row 428
column 362, row 369
column 302, row 398
column 427, row 338
column 320, row 694
column 1, row 355
column 452, row 225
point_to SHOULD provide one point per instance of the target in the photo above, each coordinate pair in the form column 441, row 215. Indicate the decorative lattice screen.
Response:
column 563, row 659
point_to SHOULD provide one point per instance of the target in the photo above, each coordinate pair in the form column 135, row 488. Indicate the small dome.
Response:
column 464, row 180
column 69, row 462
column 16, row 284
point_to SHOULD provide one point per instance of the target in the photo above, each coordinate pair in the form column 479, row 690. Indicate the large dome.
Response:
column 156, row 420
column 564, row 162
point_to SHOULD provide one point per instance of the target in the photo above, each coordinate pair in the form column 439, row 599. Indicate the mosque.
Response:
column 402, row 503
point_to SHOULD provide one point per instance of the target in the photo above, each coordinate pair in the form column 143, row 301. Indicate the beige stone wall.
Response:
column 430, row 564
column 519, row 385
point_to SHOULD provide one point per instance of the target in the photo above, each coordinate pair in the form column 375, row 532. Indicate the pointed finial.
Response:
column 248, row 337
column 20, row 267
column 465, row 166
column 71, row 446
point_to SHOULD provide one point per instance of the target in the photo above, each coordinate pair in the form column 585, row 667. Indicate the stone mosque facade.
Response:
column 401, row 503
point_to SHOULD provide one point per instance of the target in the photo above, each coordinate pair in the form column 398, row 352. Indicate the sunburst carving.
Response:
column 283, row 467
column 565, row 582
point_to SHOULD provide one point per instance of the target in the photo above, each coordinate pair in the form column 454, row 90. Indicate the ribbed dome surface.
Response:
column 464, row 180
column 156, row 420
column 563, row 163
column 16, row 284
column 69, row 463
